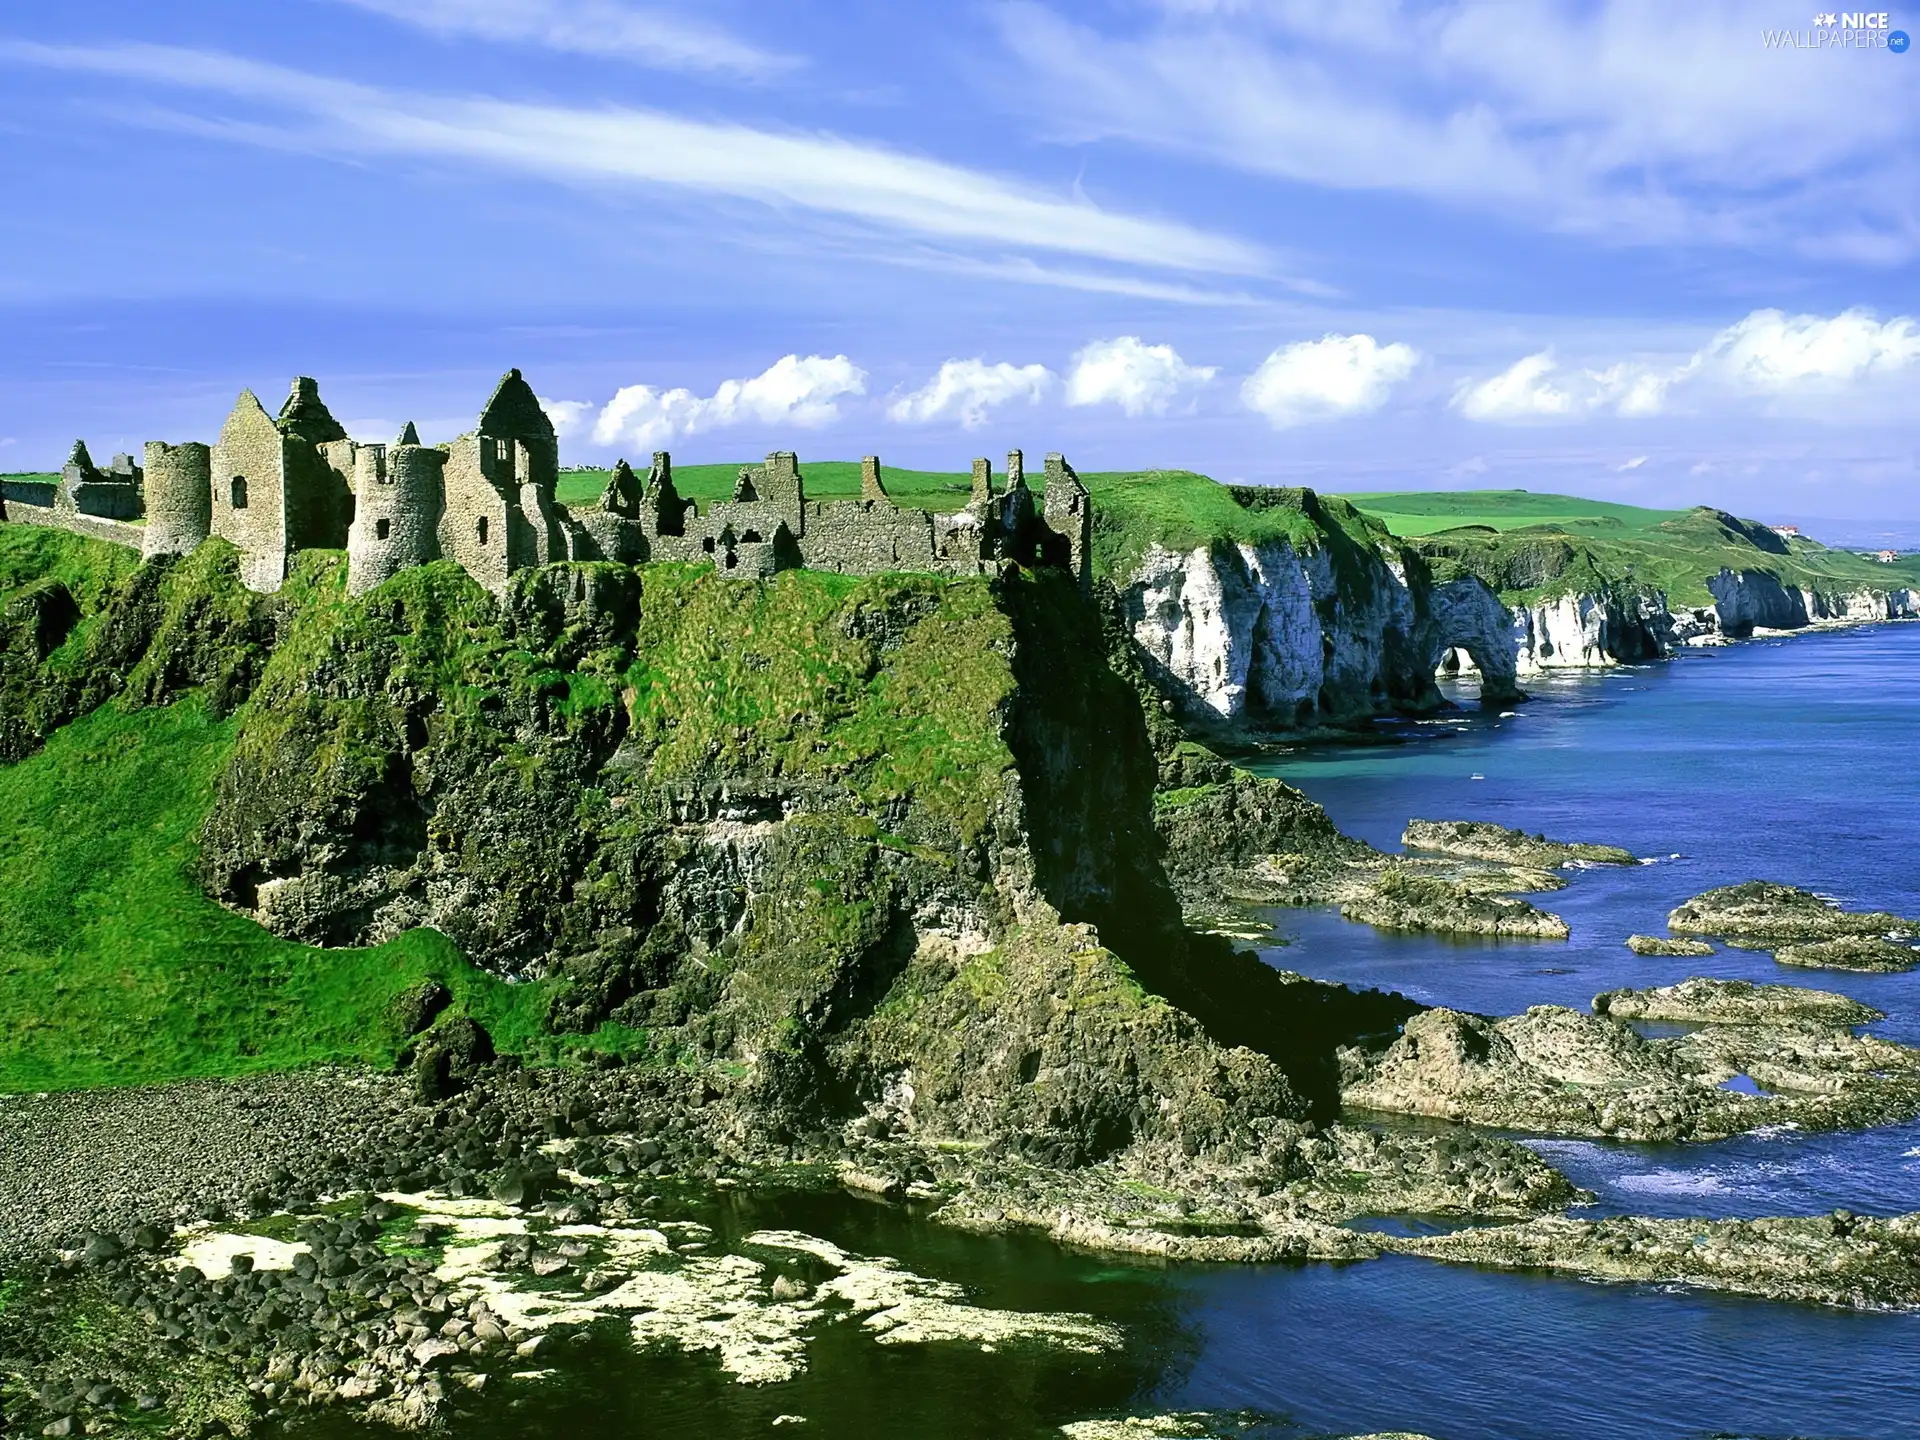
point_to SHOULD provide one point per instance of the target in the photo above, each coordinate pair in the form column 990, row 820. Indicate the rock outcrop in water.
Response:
column 1483, row 840
column 1837, row 1259
column 1868, row 954
column 1734, row 1002
column 1665, row 945
column 1556, row 1071
column 1401, row 898
column 1762, row 914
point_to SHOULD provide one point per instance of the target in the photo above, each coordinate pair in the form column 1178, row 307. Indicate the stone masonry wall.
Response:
column 398, row 499
column 249, row 493
column 179, row 497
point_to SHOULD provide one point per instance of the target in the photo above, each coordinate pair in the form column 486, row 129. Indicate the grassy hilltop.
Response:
column 1423, row 512
column 1530, row 547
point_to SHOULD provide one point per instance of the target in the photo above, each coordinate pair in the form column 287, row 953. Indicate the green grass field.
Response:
column 115, row 969
column 1423, row 512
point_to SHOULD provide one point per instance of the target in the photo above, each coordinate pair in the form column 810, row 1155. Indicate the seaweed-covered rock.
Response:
column 1837, row 1259
column 1556, row 1071
column 1767, row 914
column 1733, row 1002
column 1665, row 945
column 1402, row 899
column 1482, row 840
column 1870, row 954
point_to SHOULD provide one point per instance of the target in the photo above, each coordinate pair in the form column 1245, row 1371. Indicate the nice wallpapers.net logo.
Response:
column 1842, row 30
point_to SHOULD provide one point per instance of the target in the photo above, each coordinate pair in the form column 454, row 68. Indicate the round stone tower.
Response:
column 179, row 486
column 396, row 512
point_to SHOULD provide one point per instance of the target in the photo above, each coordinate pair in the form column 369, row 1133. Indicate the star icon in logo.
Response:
column 1827, row 19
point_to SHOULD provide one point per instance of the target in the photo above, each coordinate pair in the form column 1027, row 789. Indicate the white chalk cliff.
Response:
column 1269, row 632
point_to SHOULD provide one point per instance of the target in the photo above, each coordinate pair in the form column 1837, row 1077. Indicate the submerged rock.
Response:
column 1734, row 1002
column 1482, row 840
column 1768, row 914
column 1662, row 945
column 1869, row 954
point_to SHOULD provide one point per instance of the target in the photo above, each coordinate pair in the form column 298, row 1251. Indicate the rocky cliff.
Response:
column 807, row 835
column 1297, row 611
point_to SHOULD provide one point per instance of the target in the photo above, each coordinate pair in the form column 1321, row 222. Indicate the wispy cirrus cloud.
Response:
column 1635, row 121
column 884, row 188
column 605, row 28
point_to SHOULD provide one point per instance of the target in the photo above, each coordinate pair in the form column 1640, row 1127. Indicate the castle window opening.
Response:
column 707, row 544
column 381, row 529
column 732, row 559
column 481, row 529
column 752, row 537
column 239, row 495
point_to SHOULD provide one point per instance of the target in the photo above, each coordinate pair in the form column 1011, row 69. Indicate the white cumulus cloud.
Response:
column 569, row 417
column 1767, row 354
column 1534, row 387
column 1771, row 350
column 1137, row 377
column 791, row 391
column 968, row 389
column 1326, row 378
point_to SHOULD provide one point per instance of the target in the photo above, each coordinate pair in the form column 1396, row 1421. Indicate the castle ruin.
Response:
column 273, row 486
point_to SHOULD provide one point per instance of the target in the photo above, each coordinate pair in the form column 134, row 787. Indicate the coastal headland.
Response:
column 387, row 962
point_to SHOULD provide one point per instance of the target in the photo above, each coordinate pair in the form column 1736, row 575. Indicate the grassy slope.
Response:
column 1422, row 512
column 115, row 969
column 1532, row 547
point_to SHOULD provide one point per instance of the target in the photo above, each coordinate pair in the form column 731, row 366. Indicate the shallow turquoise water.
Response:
column 1792, row 760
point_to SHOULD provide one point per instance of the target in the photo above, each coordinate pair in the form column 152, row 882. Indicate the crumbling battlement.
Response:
column 275, row 485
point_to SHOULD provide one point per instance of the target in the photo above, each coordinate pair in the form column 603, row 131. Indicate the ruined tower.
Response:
column 500, row 514
column 179, row 498
column 398, row 498
column 1068, row 511
column 274, row 492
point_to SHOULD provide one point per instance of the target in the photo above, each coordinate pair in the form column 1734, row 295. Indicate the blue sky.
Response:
column 1624, row 249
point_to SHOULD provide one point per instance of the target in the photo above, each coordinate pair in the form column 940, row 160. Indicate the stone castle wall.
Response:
column 249, row 493
column 273, row 486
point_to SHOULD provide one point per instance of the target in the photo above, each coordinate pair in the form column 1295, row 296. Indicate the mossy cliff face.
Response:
column 837, row 843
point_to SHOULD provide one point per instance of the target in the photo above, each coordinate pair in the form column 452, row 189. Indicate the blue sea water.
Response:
column 1791, row 760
